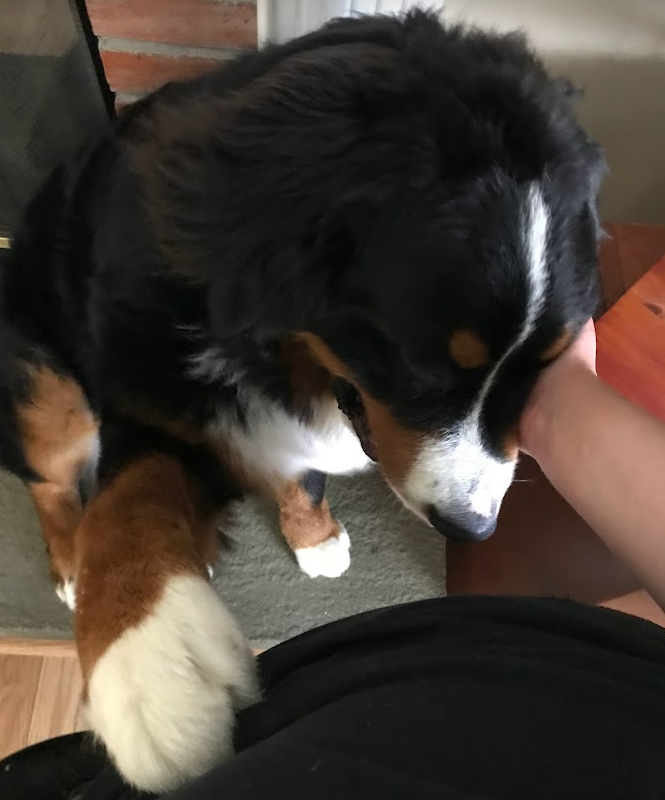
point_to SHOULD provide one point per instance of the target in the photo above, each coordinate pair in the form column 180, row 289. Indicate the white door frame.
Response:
column 279, row 20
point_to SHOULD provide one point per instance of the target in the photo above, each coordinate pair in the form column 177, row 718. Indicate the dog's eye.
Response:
column 348, row 398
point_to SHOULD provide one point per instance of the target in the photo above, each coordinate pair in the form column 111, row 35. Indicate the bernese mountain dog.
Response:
column 362, row 245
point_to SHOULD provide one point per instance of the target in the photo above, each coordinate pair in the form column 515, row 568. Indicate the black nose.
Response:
column 462, row 526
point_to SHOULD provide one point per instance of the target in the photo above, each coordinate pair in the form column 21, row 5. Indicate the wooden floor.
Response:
column 626, row 254
column 40, row 688
column 40, row 682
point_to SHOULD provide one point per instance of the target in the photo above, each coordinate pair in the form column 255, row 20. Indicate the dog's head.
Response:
column 418, row 204
column 445, row 328
column 461, row 284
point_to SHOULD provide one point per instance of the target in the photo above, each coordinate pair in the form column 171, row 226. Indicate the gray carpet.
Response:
column 394, row 558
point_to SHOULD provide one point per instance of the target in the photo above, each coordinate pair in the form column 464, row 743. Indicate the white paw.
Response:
column 329, row 559
column 67, row 593
column 163, row 696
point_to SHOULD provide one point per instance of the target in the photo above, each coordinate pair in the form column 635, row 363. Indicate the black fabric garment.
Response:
column 58, row 769
column 460, row 698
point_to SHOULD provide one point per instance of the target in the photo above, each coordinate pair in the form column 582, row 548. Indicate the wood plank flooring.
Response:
column 39, row 697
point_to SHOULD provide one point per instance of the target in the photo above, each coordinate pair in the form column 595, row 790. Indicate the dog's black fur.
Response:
column 359, row 197
column 358, row 182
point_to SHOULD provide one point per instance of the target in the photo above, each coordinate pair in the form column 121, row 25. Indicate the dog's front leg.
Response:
column 164, row 664
column 319, row 542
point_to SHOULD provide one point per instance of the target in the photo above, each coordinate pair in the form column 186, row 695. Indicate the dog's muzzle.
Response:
column 462, row 526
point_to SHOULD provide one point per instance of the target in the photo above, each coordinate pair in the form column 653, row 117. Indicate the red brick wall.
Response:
column 144, row 43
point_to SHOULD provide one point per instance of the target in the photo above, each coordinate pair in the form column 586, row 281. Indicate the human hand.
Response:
column 581, row 352
column 554, row 383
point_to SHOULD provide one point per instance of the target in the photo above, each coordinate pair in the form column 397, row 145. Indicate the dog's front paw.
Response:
column 66, row 592
column 330, row 559
column 163, row 696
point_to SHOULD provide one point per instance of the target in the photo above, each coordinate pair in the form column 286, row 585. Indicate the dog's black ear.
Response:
column 347, row 241
column 268, row 294
column 290, row 282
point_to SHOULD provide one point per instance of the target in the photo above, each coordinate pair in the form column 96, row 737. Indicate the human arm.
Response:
column 605, row 456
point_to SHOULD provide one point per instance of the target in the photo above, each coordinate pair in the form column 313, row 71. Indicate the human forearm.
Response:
column 606, row 457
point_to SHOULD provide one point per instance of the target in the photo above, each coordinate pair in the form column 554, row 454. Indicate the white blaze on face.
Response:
column 455, row 472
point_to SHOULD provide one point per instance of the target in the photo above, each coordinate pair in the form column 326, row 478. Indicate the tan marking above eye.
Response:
column 468, row 350
column 557, row 346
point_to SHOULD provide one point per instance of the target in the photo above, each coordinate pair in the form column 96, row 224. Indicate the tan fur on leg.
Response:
column 319, row 541
column 59, row 435
column 164, row 664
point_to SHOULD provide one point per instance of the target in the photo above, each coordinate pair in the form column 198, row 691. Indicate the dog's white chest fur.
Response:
column 270, row 441
column 277, row 445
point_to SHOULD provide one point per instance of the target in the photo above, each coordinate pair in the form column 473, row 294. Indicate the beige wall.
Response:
column 614, row 49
